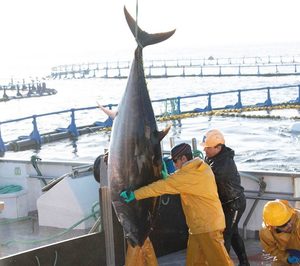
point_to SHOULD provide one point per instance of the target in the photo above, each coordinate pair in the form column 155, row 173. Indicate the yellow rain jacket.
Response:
column 195, row 182
column 276, row 244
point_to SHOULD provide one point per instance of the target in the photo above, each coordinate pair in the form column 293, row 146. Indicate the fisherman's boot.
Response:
column 239, row 249
column 243, row 260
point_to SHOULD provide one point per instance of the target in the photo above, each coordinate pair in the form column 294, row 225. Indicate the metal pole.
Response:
column 172, row 142
column 194, row 144
column 107, row 215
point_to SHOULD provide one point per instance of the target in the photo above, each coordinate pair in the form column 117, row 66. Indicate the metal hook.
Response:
column 136, row 16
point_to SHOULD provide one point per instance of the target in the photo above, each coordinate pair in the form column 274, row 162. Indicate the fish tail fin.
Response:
column 143, row 38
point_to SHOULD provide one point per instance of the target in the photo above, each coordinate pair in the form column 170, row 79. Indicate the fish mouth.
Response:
column 133, row 239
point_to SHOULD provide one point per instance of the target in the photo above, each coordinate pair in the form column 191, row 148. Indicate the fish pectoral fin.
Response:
column 107, row 111
column 164, row 132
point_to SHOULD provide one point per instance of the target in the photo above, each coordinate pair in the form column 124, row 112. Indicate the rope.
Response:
column 36, row 241
column 10, row 189
column 15, row 220
column 38, row 261
column 165, row 202
column 170, row 107
column 234, row 113
column 136, row 18
column 55, row 260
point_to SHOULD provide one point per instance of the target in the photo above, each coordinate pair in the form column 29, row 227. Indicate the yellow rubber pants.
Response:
column 207, row 249
column 141, row 256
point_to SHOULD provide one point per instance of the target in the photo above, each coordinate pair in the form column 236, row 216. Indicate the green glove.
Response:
column 164, row 170
column 127, row 195
column 197, row 153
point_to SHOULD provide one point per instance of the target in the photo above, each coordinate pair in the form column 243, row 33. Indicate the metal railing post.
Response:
column 262, row 188
column 72, row 127
column 298, row 99
column 208, row 107
column 35, row 135
column 239, row 104
column 178, row 106
column 2, row 146
column 268, row 102
column 194, row 144
column 172, row 142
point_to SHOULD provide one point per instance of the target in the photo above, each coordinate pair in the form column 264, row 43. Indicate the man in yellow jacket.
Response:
column 195, row 182
column 280, row 234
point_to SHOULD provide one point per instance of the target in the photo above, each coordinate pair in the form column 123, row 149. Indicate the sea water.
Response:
column 259, row 144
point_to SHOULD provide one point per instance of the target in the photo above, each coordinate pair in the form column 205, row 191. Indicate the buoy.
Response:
column 295, row 128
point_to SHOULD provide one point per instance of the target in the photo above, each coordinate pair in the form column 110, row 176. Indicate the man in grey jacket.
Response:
column 231, row 193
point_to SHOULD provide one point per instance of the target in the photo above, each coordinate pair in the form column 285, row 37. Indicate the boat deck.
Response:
column 21, row 235
column 254, row 251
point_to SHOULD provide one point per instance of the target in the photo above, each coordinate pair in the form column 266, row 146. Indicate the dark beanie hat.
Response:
column 180, row 149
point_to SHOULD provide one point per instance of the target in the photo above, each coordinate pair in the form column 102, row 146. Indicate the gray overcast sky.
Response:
column 43, row 32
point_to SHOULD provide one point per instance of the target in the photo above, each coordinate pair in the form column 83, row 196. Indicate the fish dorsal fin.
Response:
column 143, row 38
column 164, row 132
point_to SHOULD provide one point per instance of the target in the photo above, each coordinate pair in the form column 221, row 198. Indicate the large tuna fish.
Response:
column 135, row 158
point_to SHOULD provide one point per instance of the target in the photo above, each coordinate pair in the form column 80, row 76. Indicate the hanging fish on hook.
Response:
column 135, row 157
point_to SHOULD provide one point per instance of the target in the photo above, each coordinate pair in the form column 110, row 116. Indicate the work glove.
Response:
column 127, row 195
column 164, row 170
column 293, row 259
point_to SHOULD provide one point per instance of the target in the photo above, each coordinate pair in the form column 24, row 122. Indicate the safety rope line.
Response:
column 168, row 116
column 234, row 113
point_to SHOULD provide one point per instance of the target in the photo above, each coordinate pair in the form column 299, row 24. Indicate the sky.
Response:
column 37, row 34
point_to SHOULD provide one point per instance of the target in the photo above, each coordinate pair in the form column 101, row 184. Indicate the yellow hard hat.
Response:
column 212, row 138
column 277, row 213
